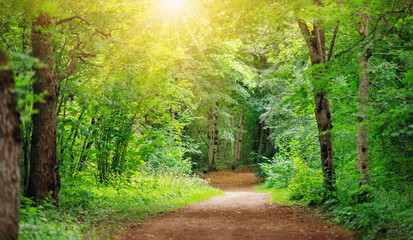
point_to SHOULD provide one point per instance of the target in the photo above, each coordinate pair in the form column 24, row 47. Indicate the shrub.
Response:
column 306, row 184
column 386, row 214
column 278, row 171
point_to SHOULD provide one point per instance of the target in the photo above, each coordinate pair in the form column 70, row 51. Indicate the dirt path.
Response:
column 240, row 214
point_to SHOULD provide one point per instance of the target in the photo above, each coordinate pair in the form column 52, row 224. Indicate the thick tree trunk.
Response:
column 44, row 172
column 325, row 125
column 317, row 48
column 362, row 156
column 10, row 148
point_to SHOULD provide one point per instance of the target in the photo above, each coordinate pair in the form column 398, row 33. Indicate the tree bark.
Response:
column 317, row 48
column 216, row 139
column 212, row 130
column 233, row 141
column 239, row 138
column 261, row 137
column 10, row 149
column 26, row 156
column 44, row 180
column 362, row 156
column 224, row 145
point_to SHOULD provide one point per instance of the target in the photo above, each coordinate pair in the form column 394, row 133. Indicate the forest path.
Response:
column 240, row 214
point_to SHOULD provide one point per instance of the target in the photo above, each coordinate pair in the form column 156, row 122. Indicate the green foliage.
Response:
column 287, row 171
column 279, row 196
column 84, row 203
column 279, row 170
column 306, row 184
column 46, row 221
column 382, row 214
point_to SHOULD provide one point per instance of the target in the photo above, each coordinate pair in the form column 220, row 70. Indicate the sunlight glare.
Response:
column 174, row 5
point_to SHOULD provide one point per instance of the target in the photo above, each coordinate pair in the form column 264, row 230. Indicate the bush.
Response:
column 386, row 214
column 306, row 184
column 278, row 171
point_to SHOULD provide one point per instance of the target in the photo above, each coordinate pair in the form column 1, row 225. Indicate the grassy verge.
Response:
column 93, row 211
column 278, row 196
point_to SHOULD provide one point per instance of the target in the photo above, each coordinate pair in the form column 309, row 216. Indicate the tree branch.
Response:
column 106, row 35
column 372, row 33
column 333, row 40
column 373, row 84
column 387, row 54
column 73, row 18
column 305, row 31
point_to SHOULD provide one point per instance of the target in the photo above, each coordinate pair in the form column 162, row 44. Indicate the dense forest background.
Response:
column 121, row 101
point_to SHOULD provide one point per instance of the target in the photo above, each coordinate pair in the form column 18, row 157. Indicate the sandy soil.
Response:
column 240, row 214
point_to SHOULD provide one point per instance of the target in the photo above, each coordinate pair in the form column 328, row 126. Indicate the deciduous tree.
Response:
column 10, row 148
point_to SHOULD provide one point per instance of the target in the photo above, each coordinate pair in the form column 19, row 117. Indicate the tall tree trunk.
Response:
column 261, row 137
column 362, row 156
column 233, row 128
column 239, row 144
column 237, row 140
column 212, row 130
column 26, row 155
column 216, row 139
column 44, row 172
column 224, row 145
column 10, row 148
column 317, row 48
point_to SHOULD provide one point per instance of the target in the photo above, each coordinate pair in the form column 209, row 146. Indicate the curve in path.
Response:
column 240, row 214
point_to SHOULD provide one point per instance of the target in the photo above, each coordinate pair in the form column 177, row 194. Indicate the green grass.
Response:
column 94, row 211
column 279, row 196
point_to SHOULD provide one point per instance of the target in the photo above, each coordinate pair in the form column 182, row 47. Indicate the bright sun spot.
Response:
column 174, row 5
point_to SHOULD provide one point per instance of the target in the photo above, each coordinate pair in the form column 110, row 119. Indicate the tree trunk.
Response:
column 239, row 138
column 44, row 180
column 10, row 148
column 212, row 130
column 238, row 141
column 261, row 137
column 362, row 156
column 216, row 139
column 224, row 145
column 26, row 156
column 233, row 141
column 317, row 48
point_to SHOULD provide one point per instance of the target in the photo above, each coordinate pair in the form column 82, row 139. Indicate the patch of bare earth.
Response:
column 240, row 214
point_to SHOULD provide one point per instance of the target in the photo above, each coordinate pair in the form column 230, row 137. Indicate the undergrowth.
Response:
column 380, row 210
column 278, row 195
column 384, row 214
column 89, row 210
